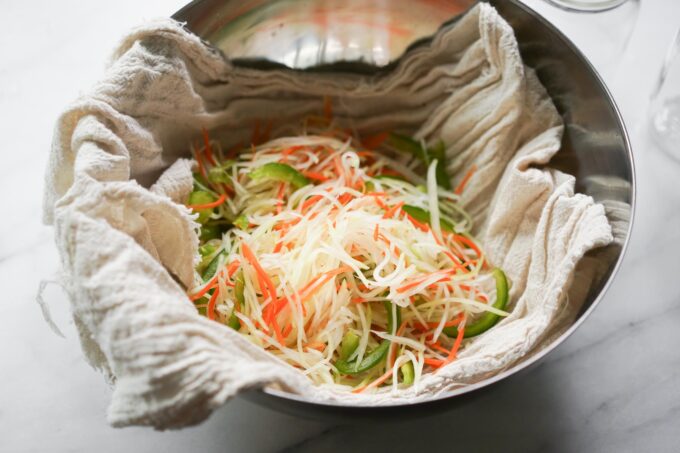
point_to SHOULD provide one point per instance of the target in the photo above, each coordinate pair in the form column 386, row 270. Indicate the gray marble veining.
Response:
column 613, row 386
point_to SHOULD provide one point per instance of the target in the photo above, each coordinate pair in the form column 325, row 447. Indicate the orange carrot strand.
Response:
column 420, row 225
column 214, row 204
column 277, row 331
column 211, row 304
column 434, row 363
column 393, row 210
column 279, row 197
column 287, row 330
column 436, row 345
column 199, row 162
column 374, row 141
column 269, row 287
column 463, row 182
column 208, row 286
column 208, row 148
column 456, row 344
column 467, row 242
column 309, row 202
column 319, row 346
column 315, row 175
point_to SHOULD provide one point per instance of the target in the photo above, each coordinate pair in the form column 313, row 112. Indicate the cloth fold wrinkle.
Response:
column 116, row 180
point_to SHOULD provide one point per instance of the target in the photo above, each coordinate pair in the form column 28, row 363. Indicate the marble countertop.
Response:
column 613, row 386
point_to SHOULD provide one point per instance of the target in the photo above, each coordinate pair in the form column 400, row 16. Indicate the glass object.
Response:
column 665, row 103
column 601, row 29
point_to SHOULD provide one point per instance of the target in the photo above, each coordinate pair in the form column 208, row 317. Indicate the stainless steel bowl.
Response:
column 361, row 36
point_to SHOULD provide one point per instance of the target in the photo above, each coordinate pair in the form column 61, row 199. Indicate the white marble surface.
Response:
column 613, row 386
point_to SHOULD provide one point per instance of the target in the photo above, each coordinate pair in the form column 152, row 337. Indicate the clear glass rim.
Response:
column 673, row 50
column 585, row 6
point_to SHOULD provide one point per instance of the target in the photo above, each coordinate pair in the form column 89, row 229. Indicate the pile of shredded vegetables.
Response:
column 332, row 253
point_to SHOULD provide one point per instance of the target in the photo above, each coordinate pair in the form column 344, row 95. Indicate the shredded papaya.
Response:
column 319, row 248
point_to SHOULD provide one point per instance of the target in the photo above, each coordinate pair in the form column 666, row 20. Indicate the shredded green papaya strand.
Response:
column 330, row 251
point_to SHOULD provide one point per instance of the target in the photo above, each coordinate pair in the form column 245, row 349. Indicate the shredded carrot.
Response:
column 366, row 153
column 261, row 327
column 263, row 289
column 436, row 345
column 277, row 331
column 315, row 175
column 476, row 291
column 311, row 290
column 283, row 304
column 214, row 204
column 456, row 261
column 417, row 224
column 374, row 141
column 390, row 172
column 211, row 304
column 208, row 148
column 389, row 244
column 393, row 210
column 470, row 244
column 381, row 203
column 279, row 197
column 273, row 309
column 376, row 232
column 463, row 182
column 434, row 363
column 375, row 383
column 345, row 198
column 433, row 325
column 287, row 330
column 269, row 287
column 286, row 224
column 314, row 285
column 233, row 266
column 199, row 162
column 319, row 346
column 446, row 275
column 309, row 202
column 456, row 344
column 291, row 149
column 208, row 286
